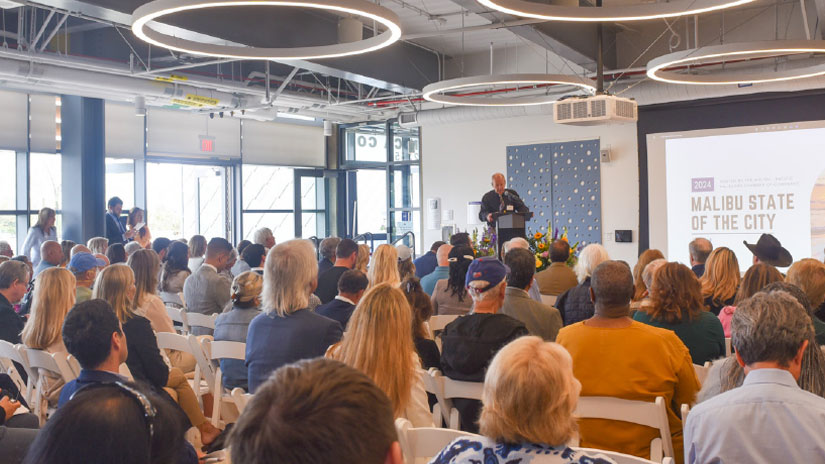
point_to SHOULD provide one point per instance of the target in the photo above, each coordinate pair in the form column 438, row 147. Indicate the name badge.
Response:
column 509, row 207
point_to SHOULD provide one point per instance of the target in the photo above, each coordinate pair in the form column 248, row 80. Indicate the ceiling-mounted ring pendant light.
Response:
column 636, row 12
column 435, row 92
column 157, row 9
column 658, row 68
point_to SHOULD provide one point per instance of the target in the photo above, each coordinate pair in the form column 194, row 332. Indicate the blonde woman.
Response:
column 363, row 260
column 529, row 397
column 640, row 290
column 116, row 285
column 44, row 230
column 54, row 296
column 98, row 245
column 379, row 343
column 384, row 266
column 142, row 235
column 234, row 325
column 197, row 250
column 720, row 281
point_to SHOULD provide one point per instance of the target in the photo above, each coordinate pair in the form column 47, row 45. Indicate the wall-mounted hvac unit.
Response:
column 599, row 109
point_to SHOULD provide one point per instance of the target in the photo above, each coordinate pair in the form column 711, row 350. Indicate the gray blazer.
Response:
column 541, row 320
column 206, row 291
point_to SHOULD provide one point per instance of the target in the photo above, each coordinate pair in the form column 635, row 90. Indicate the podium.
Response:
column 510, row 225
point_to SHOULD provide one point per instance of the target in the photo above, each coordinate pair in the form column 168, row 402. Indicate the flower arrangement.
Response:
column 540, row 246
column 486, row 244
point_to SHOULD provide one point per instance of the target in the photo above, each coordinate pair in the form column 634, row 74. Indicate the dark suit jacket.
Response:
column 144, row 361
column 491, row 203
column 274, row 341
column 10, row 323
column 337, row 310
column 328, row 283
column 699, row 269
column 86, row 377
column 112, row 230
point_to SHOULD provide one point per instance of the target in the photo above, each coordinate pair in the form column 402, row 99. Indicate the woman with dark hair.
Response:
column 449, row 295
column 66, row 246
column 676, row 304
column 142, row 236
column 241, row 245
column 42, row 231
column 112, row 422
column 173, row 273
column 422, row 309
column 253, row 256
column 116, row 253
column 758, row 276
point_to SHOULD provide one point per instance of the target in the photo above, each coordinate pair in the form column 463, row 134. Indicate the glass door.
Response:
column 310, row 203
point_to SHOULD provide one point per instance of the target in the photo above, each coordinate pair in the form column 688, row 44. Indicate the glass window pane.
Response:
column 164, row 200
column 405, row 186
column 408, row 221
column 120, row 180
column 45, row 182
column 210, row 206
column 312, row 193
column 268, row 187
column 8, row 230
column 405, row 143
column 371, row 186
column 366, row 143
column 282, row 225
column 8, row 186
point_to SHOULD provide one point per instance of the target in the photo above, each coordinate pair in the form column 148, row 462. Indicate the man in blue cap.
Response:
column 470, row 342
column 84, row 267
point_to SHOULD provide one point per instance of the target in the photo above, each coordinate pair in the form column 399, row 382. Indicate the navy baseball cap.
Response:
column 82, row 262
column 487, row 269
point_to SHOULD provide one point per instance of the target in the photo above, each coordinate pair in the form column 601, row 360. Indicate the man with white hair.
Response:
column 5, row 249
column 575, row 304
column 132, row 247
column 263, row 236
column 470, row 342
column 518, row 242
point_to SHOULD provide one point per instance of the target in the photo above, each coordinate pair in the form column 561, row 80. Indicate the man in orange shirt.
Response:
column 616, row 356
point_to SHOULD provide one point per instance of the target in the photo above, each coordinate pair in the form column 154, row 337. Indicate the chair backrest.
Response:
column 178, row 315
column 241, row 398
column 439, row 322
column 650, row 414
column 226, row 350
column 702, row 372
column 458, row 389
column 173, row 341
column 621, row 458
column 421, row 445
column 201, row 320
column 727, row 347
column 685, row 412
column 200, row 349
column 55, row 363
column 74, row 365
column 10, row 354
column 549, row 299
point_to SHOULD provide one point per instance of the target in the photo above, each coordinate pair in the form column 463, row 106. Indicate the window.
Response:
column 8, row 186
column 371, row 203
column 281, row 224
column 120, row 180
column 45, row 181
column 366, row 143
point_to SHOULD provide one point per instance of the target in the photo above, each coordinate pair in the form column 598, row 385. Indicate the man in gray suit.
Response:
column 541, row 320
column 207, row 291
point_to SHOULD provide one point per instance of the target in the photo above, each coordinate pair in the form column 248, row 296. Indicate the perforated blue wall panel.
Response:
column 561, row 184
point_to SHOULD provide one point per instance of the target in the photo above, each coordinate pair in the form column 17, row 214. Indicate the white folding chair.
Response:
column 549, row 299
column 171, row 341
column 437, row 324
column 727, row 347
column 621, row 458
column 685, row 412
column 201, row 320
column 702, row 372
column 10, row 354
column 221, row 350
column 421, row 445
column 178, row 315
column 458, row 389
column 434, row 384
column 241, row 398
column 74, row 365
column 650, row 414
column 55, row 363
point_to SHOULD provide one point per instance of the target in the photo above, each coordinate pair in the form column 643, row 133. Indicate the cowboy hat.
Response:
column 769, row 251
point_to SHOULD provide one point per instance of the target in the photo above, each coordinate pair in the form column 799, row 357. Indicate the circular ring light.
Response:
column 635, row 12
column 157, row 9
column 658, row 68
column 435, row 91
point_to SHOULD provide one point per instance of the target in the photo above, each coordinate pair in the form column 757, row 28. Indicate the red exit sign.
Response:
column 207, row 144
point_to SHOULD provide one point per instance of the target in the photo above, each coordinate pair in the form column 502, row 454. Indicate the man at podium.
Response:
column 500, row 199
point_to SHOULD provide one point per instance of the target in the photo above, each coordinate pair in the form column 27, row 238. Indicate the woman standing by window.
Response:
column 42, row 231
column 142, row 235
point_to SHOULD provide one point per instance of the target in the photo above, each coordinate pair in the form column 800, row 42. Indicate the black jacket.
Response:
column 10, row 323
column 574, row 305
column 144, row 361
column 328, row 284
column 491, row 203
column 337, row 310
column 112, row 230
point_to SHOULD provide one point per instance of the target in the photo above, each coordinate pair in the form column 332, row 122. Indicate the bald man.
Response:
column 80, row 249
column 500, row 199
column 52, row 255
column 442, row 255
column 699, row 249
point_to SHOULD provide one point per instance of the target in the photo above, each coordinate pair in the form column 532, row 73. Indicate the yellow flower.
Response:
column 538, row 236
column 541, row 246
column 564, row 238
column 538, row 263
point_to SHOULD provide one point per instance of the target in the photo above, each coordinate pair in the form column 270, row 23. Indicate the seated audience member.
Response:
column 242, row 245
column 575, row 304
column 558, row 277
column 540, row 319
column 287, row 331
column 263, row 236
column 647, row 276
column 383, row 319
column 528, row 401
column 173, row 273
column 327, row 249
column 756, row 278
column 102, row 258
column 84, row 267
column 25, row 260
column 98, row 245
column 450, row 296
column 640, row 289
column 252, row 257
column 351, row 287
column 726, row 374
column 227, row 270
column 809, row 275
column 130, row 248
column 470, row 342
column 516, row 243
column 145, row 265
column 116, row 285
column 51, row 255
column 770, row 251
column 54, row 293
column 615, row 356
column 676, row 304
column 206, row 291
column 461, row 239
column 117, row 253
column 65, row 246
column 80, row 248
column 364, row 255
column 345, row 256
column 699, row 250
column 426, row 263
column 5, row 249
column 422, row 309
column 14, row 441
column 197, row 252
column 160, row 245
column 233, row 325
column 406, row 267
column 332, row 413
column 113, row 422
column 384, row 266
column 769, row 418
column 442, row 271
column 14, row 279
column 720, row 281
